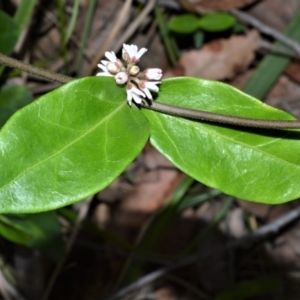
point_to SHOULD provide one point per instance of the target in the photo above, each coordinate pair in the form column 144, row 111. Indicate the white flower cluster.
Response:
column 138, row 84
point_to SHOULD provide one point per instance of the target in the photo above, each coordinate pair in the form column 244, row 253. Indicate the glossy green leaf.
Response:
column 256, row 165
column 216, row 22
column 12, row 98
column 68, row 145
column 184, row 24
column 8, row 34
column 39, row 231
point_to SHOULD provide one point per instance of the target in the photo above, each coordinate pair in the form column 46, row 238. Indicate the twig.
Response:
column 278, row 49
column 259, row 235
column 135, row 24
column 81, row 216
column 246, row 18
column 120, row 20
column 172, row 4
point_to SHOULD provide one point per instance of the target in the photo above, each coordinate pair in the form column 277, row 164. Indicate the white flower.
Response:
column 112, row 58
column 139, row 84
column 147, row 86
column 131, row 54
column 153, row 74
column 134, row 93
column 121, row 78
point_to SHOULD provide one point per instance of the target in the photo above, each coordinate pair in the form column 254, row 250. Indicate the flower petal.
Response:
column 136, row 98
column 104, row 62
column 103, row 74
column 129, row 96
column 103, row 68
column 148, row 94
column 141, row 52
column 151, row 85
column 126, row 52
column 131, row 54
column 111, row 56
column 137, row 92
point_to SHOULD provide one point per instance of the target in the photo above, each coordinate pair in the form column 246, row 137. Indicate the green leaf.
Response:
column 12, row 228
column 216, row 22
column 239, row 28
column 256, row 165
column 46, row 235
column 72, row 23
column 68, row 145
column 8, row 34
column 39, row 231
column 12, row 98
column 11, row 28
column 24, row 13
column 184, row 24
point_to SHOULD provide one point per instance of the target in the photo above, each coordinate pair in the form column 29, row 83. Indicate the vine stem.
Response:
column 162, row 107
column 221, row 118
column 43, row 73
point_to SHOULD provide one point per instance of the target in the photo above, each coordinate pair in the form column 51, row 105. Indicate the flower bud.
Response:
column 113, row 68
column 134, row 70
column 121, row 78
column 153, row 74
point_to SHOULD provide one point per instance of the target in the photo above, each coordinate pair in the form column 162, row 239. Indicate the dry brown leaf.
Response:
column 166, row 293
column 285, row 95
column 258, row 209
column 234, row 223
column 293, row 71
column 156, row 181
column 204, row 6
column 220, row 59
